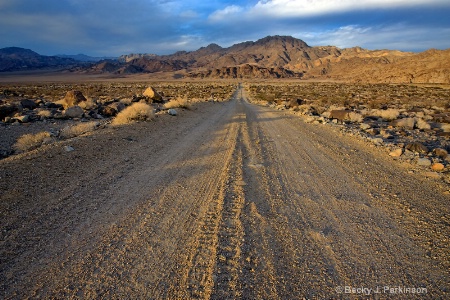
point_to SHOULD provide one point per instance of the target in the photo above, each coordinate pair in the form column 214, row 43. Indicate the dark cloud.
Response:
column 113, row 27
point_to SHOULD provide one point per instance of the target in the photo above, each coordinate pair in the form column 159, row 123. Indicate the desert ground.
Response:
column 253, row 190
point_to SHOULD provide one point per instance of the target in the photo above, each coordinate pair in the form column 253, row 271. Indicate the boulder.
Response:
column 172, row 112
column 405, row 122
column 151, row 93
column 119, row 106
column 439, row 152
column 28, row 104
column 417, row 147
column 74, row 112
column 7, row 110
column 73, row 98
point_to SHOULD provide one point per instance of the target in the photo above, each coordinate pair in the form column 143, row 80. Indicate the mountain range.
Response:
column 285, row 57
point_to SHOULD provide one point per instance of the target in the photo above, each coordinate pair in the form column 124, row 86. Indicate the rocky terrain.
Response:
column 411, row 122
column 52, row 109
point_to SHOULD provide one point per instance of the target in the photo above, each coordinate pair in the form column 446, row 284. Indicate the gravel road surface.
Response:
column 225, row 201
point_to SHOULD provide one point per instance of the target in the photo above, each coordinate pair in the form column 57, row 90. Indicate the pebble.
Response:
column 438, row 167
column 68, row 148
column 396, row 153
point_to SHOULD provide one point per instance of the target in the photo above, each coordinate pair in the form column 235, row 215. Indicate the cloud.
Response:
column 228, row 13
column 307, row 8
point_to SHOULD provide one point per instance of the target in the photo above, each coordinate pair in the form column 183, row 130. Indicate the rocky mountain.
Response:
column 15, row 59
column 84, row 57
column 269, row 57
column 288, row 57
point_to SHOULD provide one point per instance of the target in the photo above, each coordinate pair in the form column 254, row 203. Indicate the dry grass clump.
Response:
column 386, row 114
column 355, row 117
column 31, row 141
column 76, row 130
column 136, row 112
column 178, row 102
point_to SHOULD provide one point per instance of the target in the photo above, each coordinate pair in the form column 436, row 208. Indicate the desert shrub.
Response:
column 88, row 104
column 355, row 117
column 76, row 130
column 386, row 114
column 31, row 141
column 179, row 102
column 44, row 114
column 136, row 112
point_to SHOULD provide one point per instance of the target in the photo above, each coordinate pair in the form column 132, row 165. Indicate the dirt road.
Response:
column 228, row 201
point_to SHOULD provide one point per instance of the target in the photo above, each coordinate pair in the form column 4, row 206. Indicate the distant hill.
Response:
column 85, row 58
column 15, row 59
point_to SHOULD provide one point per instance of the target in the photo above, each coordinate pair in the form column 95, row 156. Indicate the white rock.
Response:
column 68, row 148
column 364, row 126
column 172, row 112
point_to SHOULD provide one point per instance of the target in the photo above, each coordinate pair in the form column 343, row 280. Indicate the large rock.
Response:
column 28, row 104
column 151, row 93
column 417, row 147
column 74, row 112
column 439, row 152
column 74, row 98
column 7, row 110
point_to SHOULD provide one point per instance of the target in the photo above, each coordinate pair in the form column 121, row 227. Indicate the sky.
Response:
column 116, row 27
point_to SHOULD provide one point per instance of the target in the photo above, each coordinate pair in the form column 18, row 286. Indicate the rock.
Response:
column 172, row 112
column 421, row 124
column 74, row 112
column 433, row 175
column 310, row 119
column 439, row 152
column 365, row 126
column 68, row 148
column 108, row 111
column 340, row 115
column 53, row 105
column 119, row 106
column 373, row 131
column 151, row 93
column 425, row 162
column 417, row 147
column 23, row 119
column 28, row 104
column 7, row 110
column 438, row 167
column 396, row 153
column 406, row 123
column 73, row 98
column 377, row 141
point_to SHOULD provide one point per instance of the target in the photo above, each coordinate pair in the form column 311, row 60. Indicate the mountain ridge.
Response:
column 282, row 57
